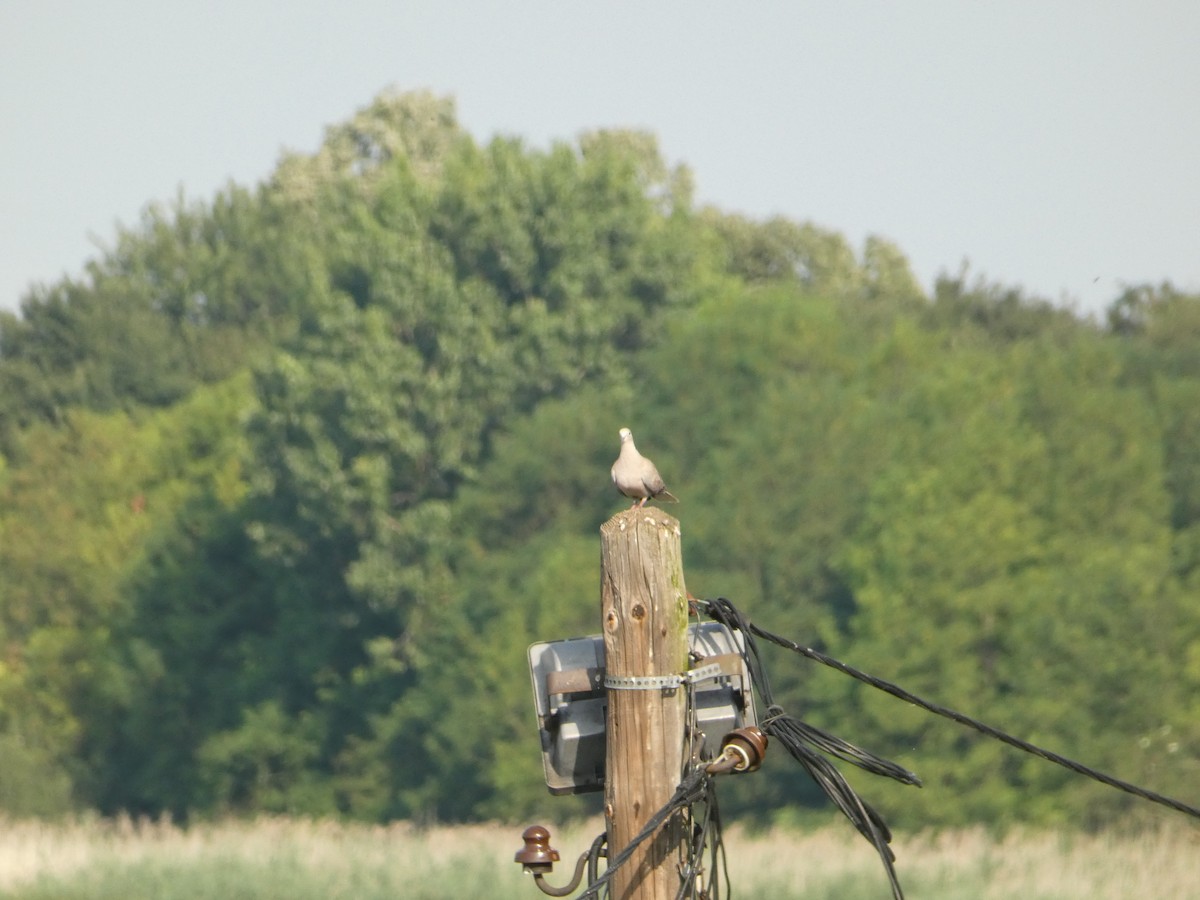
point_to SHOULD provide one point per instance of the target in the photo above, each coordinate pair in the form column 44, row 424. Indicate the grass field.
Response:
column 298, row 860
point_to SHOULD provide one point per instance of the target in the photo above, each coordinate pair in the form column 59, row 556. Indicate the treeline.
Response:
column 289, row 480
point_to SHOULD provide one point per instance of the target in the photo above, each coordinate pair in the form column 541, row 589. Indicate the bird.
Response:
column 636, row 477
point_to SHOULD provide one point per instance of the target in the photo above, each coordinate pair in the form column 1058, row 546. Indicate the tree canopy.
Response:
column 290, row 478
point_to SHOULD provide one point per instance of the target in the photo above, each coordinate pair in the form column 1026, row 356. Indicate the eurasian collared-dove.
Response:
column 635, row 476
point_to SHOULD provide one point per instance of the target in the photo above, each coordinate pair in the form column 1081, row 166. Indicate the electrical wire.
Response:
column 722, row 610
column 803, row 742
column 691, row 789
column 799, row 739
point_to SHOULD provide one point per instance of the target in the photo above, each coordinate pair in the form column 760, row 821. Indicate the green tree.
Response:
column 423, row 330
column 291, row 478
column 1018, row 540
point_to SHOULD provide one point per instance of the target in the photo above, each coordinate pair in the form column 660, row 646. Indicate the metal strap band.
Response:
column 642, row 682
column 660, row 682
column 703, row 673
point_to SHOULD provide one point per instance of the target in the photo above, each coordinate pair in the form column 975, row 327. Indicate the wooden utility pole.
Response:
column 644, row 608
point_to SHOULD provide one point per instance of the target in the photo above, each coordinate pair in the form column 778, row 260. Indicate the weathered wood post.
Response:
column 644, row 608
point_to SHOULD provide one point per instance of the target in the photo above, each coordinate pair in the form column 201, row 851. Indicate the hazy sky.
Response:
column 1053, row 145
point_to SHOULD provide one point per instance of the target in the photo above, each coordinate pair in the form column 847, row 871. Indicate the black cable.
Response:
column 594, row 854
column 691, row 790
column 794, row 735
column 724, row 612
column 723, row 607
column 706, row 835
column 834, row 746
column 868, row 822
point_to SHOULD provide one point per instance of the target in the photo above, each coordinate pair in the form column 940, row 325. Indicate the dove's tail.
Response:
column 666, row 496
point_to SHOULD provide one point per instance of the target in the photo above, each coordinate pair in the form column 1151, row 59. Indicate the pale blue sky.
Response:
column 1054, row 145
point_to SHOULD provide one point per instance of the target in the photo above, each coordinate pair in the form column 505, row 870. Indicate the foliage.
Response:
column 292, row 478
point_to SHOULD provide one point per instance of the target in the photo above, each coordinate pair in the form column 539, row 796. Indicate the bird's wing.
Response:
column 651, row 479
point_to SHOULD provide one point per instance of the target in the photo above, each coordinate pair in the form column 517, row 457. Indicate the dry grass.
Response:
column 327, row 858
column 272, row 857
column 971, row 863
